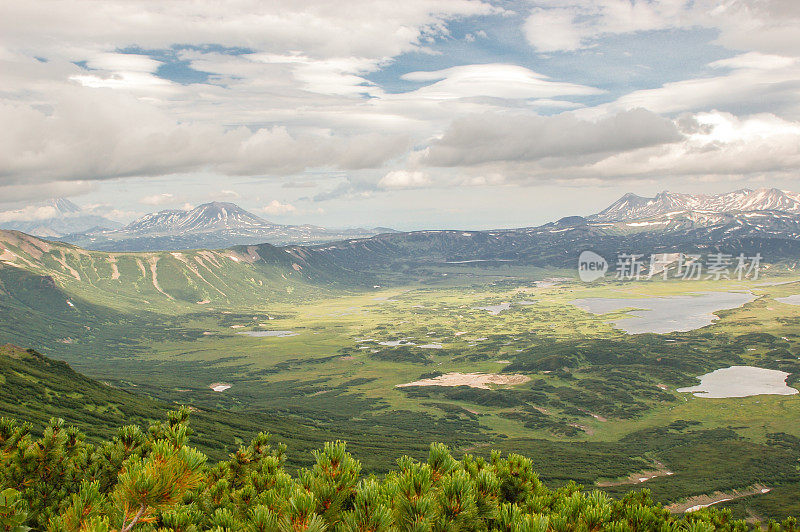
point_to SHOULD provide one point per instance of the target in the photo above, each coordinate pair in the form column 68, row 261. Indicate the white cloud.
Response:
column 365, row 28
column 554, row 30
column 563, row 25
column 28, row 213
column 496, row 137
column 16, row 193
column 276, row 208
column 398, row 179
column 769, row 26
column 491, row 80
column 297, row 100
column 226, row 194
column 101, row 135
column 754, row 82
column 717, row 144
column 303, row 97
column 159, row 199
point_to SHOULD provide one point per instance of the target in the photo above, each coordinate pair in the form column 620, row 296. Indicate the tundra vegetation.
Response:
column 154, row 480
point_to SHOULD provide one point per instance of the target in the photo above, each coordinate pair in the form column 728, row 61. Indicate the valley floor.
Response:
column 480, row 357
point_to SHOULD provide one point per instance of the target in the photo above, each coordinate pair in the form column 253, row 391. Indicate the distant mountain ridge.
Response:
column 632, row 207
column 211, row 225
column 214, row 216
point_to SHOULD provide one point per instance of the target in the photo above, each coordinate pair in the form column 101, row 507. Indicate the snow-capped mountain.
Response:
column 211, row 225
column 213, row 216
column 55, row 218
column 632, row 207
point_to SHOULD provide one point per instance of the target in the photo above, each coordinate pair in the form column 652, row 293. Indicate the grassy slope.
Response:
column 176, row 282
column 35, row 388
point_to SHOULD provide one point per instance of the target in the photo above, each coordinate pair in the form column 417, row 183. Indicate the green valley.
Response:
column 395, row 354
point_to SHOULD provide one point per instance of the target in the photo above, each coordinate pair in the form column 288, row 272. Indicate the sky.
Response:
column 419, row 114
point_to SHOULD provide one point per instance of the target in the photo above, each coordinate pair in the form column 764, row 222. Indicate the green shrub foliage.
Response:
column 154, row 481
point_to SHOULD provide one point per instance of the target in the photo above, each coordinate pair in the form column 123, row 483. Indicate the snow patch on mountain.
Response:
column 631, row 207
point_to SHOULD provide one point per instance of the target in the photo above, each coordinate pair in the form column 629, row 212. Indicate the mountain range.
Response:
column 227, row 276
column 670, row 218
column 210, row 226
column 667, row 204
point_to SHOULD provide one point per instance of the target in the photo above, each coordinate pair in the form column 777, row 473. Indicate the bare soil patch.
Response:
column 639, row 477
column 473, row 380
column 692, row 504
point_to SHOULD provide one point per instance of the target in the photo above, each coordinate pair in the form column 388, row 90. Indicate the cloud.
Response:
column 28, row 213
column 717, row 144
column 564, row 25
column 712, row 146
column 491, row 80
column 398, row 179
column 226, row 194
column 105, row 134
column 36, row 191
column 159, row 199
column 361, row 28
column 276, row 208
column 554, row 29
column 499, row 137
column 769, row 26
column 284, row 89
column 751, row 82
column 285, row 86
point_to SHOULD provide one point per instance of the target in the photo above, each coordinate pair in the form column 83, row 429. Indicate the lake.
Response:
column 790, row 300
column 665, row 314
column 741, row 381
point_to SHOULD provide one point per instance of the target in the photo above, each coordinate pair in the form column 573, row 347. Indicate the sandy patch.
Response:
column 194, row 269
column 210, row 257
column 473, row 380
column 219, row 386
column 153, row 262
column 112, row 260
column 588, row 430
column 63, row 262
column 140, row 264
column 692, row 504
column 639, row 477
column 598, row 417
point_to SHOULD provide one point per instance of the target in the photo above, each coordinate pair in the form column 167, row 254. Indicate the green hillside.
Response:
column 177, row 281
column 87, row 489
column 35, row 388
